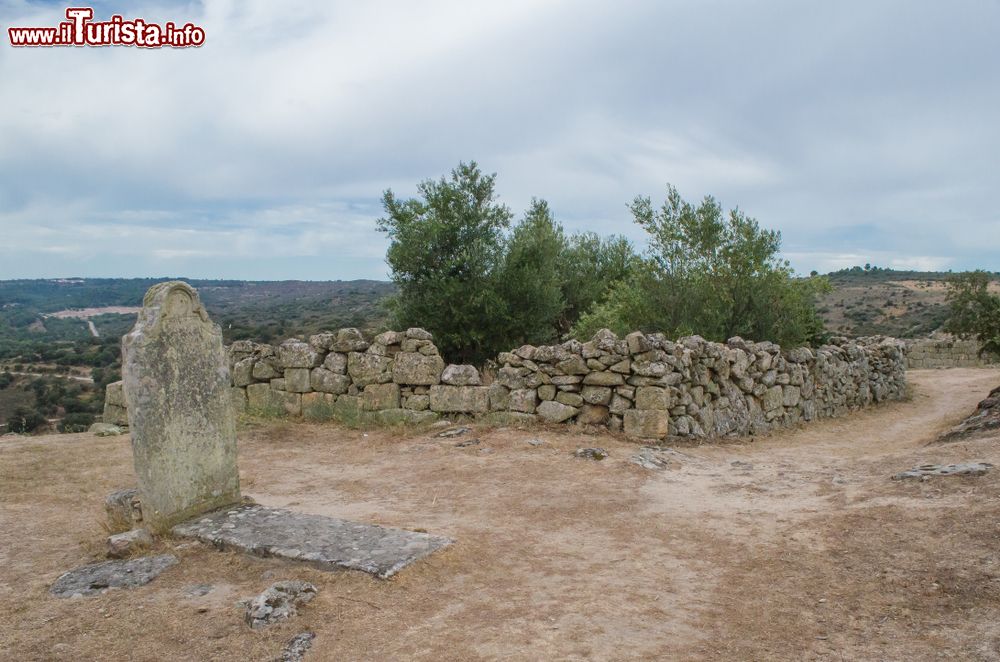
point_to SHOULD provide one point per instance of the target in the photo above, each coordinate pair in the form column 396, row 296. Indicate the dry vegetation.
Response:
column 796, row 546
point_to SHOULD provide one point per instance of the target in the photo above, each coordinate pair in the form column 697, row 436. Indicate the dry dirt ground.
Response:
column 796, row 546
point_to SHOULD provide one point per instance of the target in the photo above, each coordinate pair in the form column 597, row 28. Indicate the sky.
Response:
column 865, row 131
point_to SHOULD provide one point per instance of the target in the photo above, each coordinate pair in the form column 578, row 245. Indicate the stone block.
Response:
column 297, row 380
column 646, row 423
column 596, row 395
column 327, row 381
column 604, row 379
column 459, row 399
column 652, row 397
column 297, row 354
column 367, row 369
column 417, row 369
column 523, row 400
column 461, row 375
column 551, row 411
column 380, row 396
column 349, row 340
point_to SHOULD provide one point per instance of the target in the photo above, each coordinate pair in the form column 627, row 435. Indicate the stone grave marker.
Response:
column 176, row 384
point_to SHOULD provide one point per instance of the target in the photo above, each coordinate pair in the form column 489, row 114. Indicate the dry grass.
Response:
column 804, row 551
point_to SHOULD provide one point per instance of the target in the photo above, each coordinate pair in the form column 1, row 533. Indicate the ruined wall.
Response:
column 647, row 385
column 946, row 351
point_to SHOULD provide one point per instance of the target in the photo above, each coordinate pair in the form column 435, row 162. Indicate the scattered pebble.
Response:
column 925, row 471
column 279, row 602
column 466, row 443
column 297, row 647
column 453, row 432
column 591, row 453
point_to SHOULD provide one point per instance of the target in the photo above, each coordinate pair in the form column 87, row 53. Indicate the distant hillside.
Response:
column 264, row 310
column 904, row 304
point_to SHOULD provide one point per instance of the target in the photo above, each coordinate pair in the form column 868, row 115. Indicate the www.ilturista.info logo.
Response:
column 81, row 30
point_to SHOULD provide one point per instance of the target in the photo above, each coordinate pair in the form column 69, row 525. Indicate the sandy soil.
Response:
column 796, row 546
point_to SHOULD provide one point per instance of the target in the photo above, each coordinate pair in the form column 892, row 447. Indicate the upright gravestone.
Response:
column 176, row 382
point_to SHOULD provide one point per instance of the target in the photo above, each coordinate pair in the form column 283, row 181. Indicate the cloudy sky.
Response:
column 865, row 131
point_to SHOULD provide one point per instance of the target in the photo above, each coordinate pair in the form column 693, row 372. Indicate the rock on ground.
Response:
column 928, row 470
column 985, row 418
column 278, row 602
column 297, row 647
column 121, row 545
column 99, row 577
column 591, row 453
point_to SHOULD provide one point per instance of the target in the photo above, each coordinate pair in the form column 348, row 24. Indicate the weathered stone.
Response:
column 593, row 415
column 591, row 453
column 238, row 396
column 574, row 365
column 419, row 334
column 288, row 403
column 367, row 368
column 124, row 544
column 925, row 471
column 569, row 399
column 604, row 379
column 180, row 413
column 404, row 417
column 646, row 423
column 523, row 400
column 459, row 399
column 460, row 375
column 243, row 372
column 123, row 509
column 652, row 397
column 551, row 411
column 297, row 380
column 417, row 369
column 380, row 396
column 322, row 341
column 99, row 577
column 327, row 381
column 336, row 362
column 512, row 378
column 115, row 411
column 499, row 397
column 619, row 404
column 297, row 354
column 390, row 338
column 772, row 398
column 417, row 402
column 790, row 396
column 266, row 369
column 547, row 392
column 349, row 340
column 323, row 542
column 278, row 384
column 280, row 601
column 258, row 397
column 596, row 395
column 296, row 649
column 637, row 343
column 105, row 430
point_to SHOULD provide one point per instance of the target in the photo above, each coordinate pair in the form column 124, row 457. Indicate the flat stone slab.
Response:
column 323, row 542
column 99, row 577
column 964, row 469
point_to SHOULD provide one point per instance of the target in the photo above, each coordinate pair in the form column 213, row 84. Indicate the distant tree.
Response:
column 709, row 273
column 25, row 421
column 973, row 311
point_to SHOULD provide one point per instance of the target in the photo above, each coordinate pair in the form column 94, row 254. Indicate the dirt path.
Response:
column 796, row 546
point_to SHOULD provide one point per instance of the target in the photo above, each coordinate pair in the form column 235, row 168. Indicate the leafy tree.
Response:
column 974, row 311
column 589, row 267
column 24, row 421
column 444, row 252
column 529, row 283
column 709, row 273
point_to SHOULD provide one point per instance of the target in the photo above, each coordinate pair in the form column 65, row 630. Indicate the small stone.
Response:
column 925, row 471
column 278, row 602
column 105, row 430
column 591, row 453
column 467, row 442
column 453, row 432
column 535, row 442
column 125, row 544
column 300, row 644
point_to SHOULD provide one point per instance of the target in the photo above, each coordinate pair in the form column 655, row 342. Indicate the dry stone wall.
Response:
column 645, row 384
column 946, row 351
